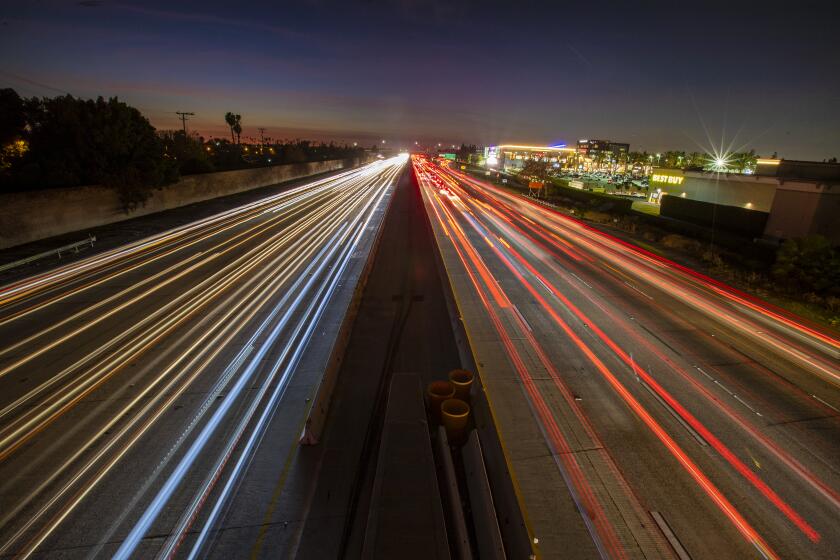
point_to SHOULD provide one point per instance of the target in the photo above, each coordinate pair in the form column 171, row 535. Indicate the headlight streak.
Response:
column 208, row 402
column 51, row 279
column 80, row 389
column 300, row 290
column 142, row 526
column 721, row 501
column 238, row 296
column 346, row 200
column 245, row 258
column 257, row 432
column 308, row 197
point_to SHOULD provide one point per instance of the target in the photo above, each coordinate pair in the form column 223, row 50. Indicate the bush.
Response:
column 808, row 265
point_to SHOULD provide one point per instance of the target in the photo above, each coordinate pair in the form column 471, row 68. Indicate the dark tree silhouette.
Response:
column 235, row 123
column 84, row 142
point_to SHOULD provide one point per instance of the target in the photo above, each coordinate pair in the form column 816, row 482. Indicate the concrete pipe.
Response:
column 455, row 413
column 436, row 393
column 462, row 380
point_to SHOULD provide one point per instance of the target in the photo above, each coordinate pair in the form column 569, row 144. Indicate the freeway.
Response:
column 137, row 384
column 647, row 411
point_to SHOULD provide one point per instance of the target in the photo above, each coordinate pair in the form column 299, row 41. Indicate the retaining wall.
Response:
column 30, row 216
column 728, row 218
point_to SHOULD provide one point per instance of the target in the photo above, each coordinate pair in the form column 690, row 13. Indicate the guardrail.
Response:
column 71, row 247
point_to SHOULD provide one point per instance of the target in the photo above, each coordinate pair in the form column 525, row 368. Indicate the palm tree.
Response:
column 233, row 121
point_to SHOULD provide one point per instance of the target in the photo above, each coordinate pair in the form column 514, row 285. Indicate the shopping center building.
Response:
column 512, row 157
column 780, row 200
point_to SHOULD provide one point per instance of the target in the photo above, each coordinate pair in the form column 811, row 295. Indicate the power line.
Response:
column 184, row 116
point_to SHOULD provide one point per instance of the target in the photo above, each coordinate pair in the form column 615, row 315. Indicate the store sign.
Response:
column 491, row 155
column 666, row 178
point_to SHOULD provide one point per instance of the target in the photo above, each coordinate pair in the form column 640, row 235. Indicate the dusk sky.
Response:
column 760, row 74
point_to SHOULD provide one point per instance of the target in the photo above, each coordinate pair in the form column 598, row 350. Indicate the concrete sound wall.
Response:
column 34, row 215
column 728, row 218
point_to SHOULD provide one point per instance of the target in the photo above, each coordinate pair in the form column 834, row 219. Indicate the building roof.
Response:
column 795, row 169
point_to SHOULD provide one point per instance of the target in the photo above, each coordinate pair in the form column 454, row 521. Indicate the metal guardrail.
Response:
column 71, row 247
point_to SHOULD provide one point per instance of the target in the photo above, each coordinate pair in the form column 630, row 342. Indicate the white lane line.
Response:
column 521, row 317
column 638, row 290
column 581, row 280
column 731, row 394
column 825, row 403
column 544, row 285
column 673, row 413
column 682, row 553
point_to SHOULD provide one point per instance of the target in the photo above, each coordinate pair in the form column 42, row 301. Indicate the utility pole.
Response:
column 262, row 140
column 184, row 116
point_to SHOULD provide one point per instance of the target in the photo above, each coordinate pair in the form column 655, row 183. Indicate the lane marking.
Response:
column 826, row 404
column 731, row 394
column 581, row 280
column 682, row 553
column 673, row 413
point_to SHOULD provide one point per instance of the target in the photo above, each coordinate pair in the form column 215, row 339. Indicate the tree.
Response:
column 83, row 142
column 744, row 161
column 234, row 122
column 12, row 116
column 189, row 152
column 464, row 152
column 809, row 265
column 535, row 169
column 13, row 144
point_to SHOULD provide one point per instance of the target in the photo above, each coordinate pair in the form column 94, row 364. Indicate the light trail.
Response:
column 27, row 287
column 205, row 291
column 230, row 270
column 518, row 268
column 680, row 281
column 785, row 457
column 707, row 435
column 599, row 527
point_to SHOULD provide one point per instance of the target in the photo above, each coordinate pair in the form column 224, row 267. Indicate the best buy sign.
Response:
column 660, row 177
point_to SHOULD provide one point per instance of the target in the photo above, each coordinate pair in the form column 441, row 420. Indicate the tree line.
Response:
column 66, row 141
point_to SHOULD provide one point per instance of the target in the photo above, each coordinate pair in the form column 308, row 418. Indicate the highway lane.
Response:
column 657, row 389
column 137, row 383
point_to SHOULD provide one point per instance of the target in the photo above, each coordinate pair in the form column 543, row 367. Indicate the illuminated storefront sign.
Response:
column 491, row 155
column 667, row 179
column 671, row 177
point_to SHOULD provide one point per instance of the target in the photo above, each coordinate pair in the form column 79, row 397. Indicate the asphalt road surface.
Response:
column 137, row 384
column 647, row 411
